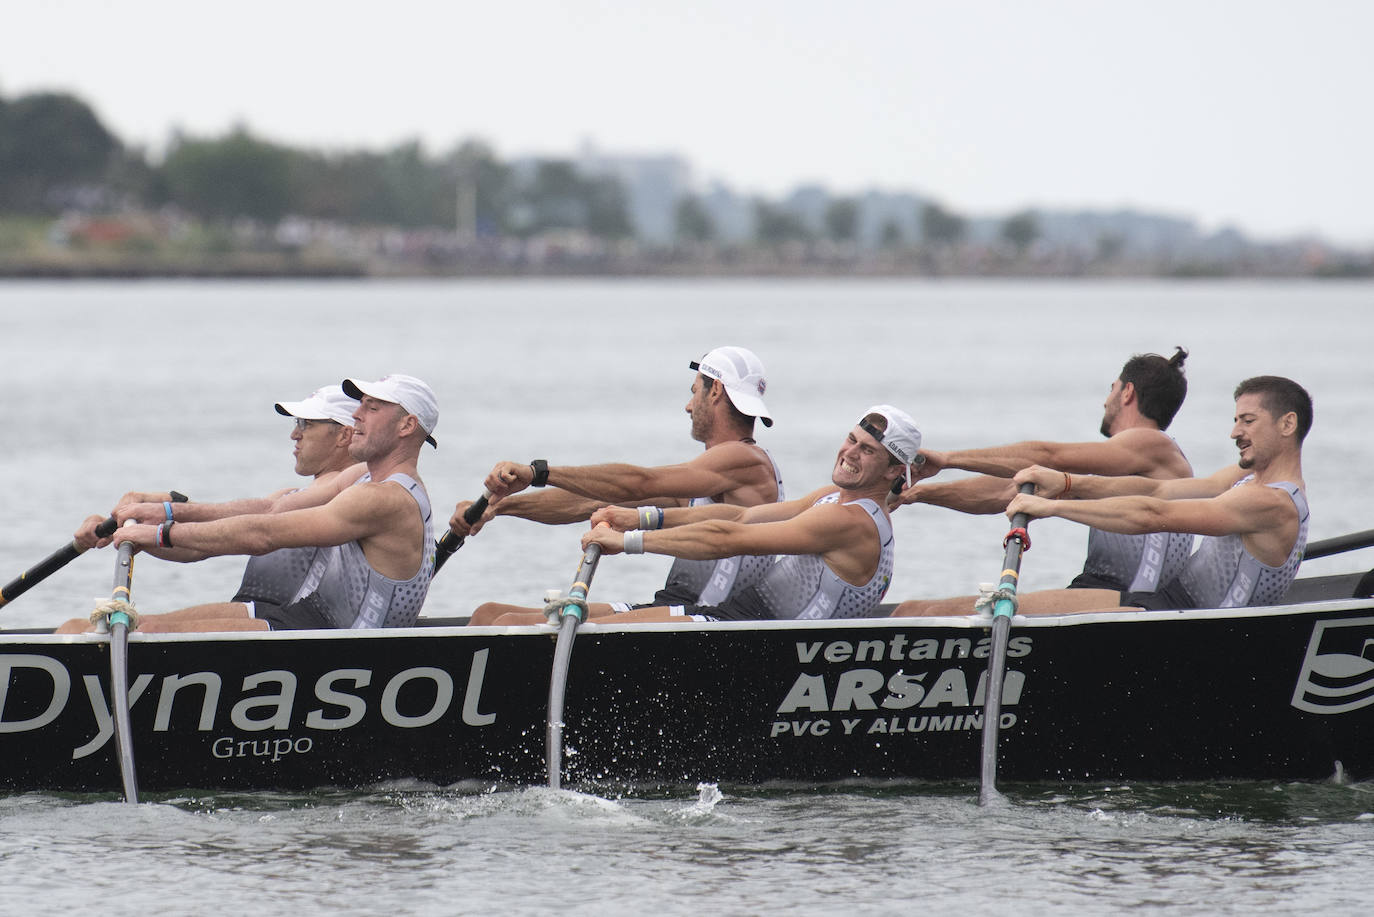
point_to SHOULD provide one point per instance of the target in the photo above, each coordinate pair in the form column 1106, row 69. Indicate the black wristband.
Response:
column 178, row 498
column 164, row 534
column 541, row 473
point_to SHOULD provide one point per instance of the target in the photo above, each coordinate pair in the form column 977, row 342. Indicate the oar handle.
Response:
column 59, row 559
column 449, row 542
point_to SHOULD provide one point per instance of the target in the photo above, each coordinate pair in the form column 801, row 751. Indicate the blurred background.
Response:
column 1064, row 138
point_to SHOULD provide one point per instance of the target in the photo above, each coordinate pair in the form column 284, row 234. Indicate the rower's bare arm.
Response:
column 154, row 513
column 551, row 507
column 722, row 468
column 318, row 493
column 1138, row 451
column 979, row 495
column 352, row 516
column 1132, row 452
column 1265, row 515
column 813, row 531
column 1054, row 483
column 625, row 519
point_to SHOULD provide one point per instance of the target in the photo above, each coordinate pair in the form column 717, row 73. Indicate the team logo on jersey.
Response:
column 1338, row 672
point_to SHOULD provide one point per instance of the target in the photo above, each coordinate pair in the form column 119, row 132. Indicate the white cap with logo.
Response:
column 407, row 391
column 901, row 438
column 328, row 403
column 741, row 372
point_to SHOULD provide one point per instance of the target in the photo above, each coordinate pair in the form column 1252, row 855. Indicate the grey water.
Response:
column 156, row 385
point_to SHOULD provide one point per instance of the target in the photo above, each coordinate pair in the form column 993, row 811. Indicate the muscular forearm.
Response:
column 674, row 517
column 1128, row 515
column 233, row 535
column 551, row 507
column 1001, row 461
column 981, row 495
column 610, row 483
column 707, row 540
column 209, row 512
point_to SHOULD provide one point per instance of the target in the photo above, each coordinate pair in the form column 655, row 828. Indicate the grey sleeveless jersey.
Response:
column 801, row 585
column 1137, row 563
column 338, row 584
column 712, row 581
column 1222, row 574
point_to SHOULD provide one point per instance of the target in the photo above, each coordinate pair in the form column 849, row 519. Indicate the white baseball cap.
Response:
column 328, row 403
column 407, row 391
column 741, row 372
column 901, row 438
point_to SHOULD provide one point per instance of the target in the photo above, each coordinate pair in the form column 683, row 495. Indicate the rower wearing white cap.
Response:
column 831, row 552
column 366, row 544
column 321, row 434
column 727, row 397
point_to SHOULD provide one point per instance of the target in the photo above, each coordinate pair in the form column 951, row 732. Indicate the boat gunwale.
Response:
column 591, row 628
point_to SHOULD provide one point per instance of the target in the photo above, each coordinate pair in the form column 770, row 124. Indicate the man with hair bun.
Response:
column 1140, row 405
column 1252, row 515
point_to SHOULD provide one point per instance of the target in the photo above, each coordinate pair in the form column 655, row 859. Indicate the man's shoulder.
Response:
column 1151, row 435
column 737, row 452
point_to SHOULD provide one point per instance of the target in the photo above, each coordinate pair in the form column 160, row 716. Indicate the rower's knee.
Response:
column 75, row 626
column 487, row 613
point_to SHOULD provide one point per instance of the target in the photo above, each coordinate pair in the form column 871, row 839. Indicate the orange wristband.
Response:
column 1068, row 485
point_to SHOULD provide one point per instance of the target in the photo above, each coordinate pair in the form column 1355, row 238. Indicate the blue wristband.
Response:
column 167, row 508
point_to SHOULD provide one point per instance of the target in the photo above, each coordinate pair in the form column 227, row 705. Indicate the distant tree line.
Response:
column 55, row 154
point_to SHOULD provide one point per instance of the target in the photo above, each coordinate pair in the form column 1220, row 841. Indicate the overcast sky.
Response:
column 1252, row 113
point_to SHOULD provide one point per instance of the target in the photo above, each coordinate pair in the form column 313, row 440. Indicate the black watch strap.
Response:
column 541, row 473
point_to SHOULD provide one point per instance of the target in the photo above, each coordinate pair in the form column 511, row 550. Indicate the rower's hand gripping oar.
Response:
column 1017, row 542
column 59, row 559
column 446, row 545
column 119, row 613
column 571, row 611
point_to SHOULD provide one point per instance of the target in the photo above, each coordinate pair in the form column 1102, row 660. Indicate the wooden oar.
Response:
column 571, row 614
column 58, row 559
column 119, row 671
column 1017, row 542
column 445, row 546
column 1339, row 544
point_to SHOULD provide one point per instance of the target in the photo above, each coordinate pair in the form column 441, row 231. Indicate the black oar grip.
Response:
column 449, row 542
column 106, row 528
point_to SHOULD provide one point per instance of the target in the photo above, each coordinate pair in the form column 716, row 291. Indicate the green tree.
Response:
column 1020, row 230
column 693, row 222
column 235, row 176
column 776, row 225
column 478, row 173
column 892, row 236
column 49, row 141
column 940, row 226
column 559, row 197
column 842, row 219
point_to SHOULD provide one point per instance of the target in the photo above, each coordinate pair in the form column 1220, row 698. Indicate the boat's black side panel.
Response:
column 1153, row 696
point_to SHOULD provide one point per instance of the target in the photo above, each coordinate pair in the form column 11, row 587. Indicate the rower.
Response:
column 1252, row 515
column 360, row 546
column 829, row 554
column 1140, row 405
column 727, row 391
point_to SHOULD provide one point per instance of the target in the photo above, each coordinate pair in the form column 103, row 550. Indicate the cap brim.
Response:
column 302, row 410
